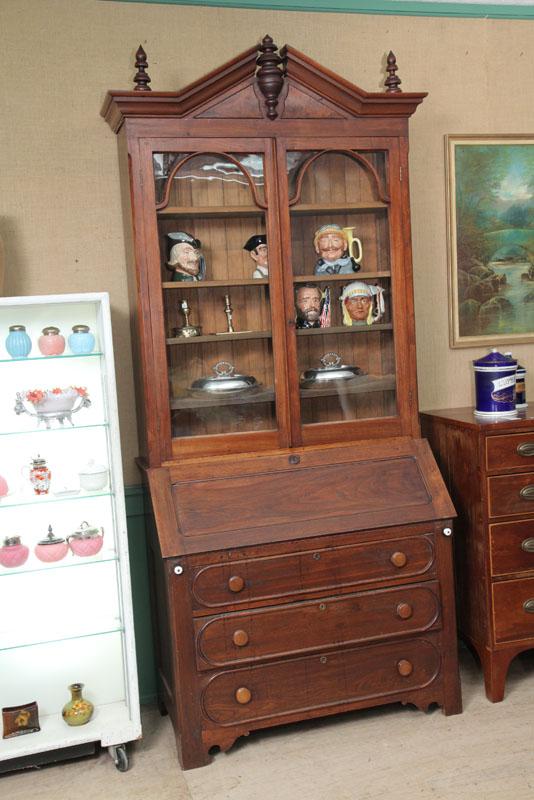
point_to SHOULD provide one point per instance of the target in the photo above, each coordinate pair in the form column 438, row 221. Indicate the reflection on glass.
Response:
column 207, row 176
column 221, row 373
column 345, row 342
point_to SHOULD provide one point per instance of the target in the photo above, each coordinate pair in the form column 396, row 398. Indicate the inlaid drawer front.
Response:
column 513, row 609
column 512, row 547
column 511, row 494
column 510, row 451
column 302, row 684
column 290, row 629
column 314, row 570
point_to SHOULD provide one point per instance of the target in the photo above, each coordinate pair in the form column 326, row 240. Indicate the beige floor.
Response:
column 486, row 753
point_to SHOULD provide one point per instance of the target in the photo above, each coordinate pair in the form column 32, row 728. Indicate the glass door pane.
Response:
column 215, row 278
column 342, row 284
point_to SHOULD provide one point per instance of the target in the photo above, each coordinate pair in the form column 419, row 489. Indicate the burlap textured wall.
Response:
column 60, row 215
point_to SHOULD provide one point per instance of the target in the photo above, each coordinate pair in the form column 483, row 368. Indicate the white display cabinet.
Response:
column 67, row 621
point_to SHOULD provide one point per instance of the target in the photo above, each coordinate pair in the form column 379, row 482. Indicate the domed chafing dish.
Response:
column 332, row 370
column 224, row 380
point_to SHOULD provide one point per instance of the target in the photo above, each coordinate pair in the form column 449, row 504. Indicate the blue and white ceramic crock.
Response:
column 520, row 390
column 495, row 385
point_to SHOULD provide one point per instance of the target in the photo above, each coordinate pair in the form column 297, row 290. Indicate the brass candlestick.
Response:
column 187, row 330
column 228, row 310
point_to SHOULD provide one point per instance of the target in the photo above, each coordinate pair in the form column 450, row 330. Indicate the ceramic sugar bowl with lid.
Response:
column 86, row 540
column 13, row 553
column 53, row 548
column 93, row 477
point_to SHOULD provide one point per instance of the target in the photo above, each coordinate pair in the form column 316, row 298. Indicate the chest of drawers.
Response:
column 281, row 613
column 488, row 467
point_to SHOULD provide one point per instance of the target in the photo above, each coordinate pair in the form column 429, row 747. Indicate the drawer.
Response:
column 515, row 450
column 512, row 547
column 513, row 610
column 330, row 680
column 511, row 494
column 313, row 625
column 242, row 582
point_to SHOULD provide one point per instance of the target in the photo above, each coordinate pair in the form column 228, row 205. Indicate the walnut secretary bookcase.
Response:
column 299, row 527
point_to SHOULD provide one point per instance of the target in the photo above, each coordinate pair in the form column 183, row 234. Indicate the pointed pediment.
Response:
column 303, row 104
column 262, row 83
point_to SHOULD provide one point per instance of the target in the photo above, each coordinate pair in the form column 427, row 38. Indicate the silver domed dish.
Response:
column 332, row 370
column 224, row 381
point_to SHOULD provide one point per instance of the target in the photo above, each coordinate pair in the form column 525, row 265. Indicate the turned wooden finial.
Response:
column 270, row 77
column 142, row 78
column 392, row 81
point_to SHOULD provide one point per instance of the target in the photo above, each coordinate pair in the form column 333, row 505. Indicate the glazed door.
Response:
column 347, row 299
column 220, row 346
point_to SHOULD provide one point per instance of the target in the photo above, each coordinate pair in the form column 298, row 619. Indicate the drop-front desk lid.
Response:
column 226, row 502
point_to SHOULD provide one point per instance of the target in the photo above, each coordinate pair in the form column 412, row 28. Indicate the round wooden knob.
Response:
column 243, row 695
column 399, row 559
column 404, row 667
column 236, row 583
column 404, row 610
column 240, row 638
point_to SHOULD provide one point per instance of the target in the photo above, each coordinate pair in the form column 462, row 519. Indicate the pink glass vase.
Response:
column 13, row 553
column 51, row 342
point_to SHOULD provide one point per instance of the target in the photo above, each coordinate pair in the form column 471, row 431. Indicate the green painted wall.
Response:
column 413, row 8
column 140, row 594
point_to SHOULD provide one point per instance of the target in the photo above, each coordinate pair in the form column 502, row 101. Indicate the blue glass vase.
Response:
column 18, row 343
column 81, row 340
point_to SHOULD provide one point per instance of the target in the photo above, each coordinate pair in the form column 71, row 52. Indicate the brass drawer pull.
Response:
column 525, row 449
column 404, row 667
column 243, row 695
column 399, row 559
column 528, row 606
column 240, row 638
column 527, row 493
column 404, row 610
column 528, row 545
column 236, row 583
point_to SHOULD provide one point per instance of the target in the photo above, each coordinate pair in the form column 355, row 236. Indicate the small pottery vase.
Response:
column 52, row 548
column 78, row 711
column 18, row 343
column 51, row 343
column 13, row 553
column 81, row 340
column 4, row 488
column 86, row 541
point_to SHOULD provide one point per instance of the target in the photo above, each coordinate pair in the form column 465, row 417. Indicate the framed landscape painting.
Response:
column 490, row 205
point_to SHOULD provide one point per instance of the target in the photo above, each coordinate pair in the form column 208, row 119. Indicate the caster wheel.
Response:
column 120, row 757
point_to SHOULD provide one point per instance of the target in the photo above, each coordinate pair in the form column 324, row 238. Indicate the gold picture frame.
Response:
column 490, row 222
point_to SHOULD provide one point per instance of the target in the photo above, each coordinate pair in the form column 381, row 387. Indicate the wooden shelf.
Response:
column 192, row 402
column 219, row 337
column 385, row 326
column 211, row 211
column 213, row 284
column 362, row 385
column 313, row 209
column 353, row 276
column 332, row 208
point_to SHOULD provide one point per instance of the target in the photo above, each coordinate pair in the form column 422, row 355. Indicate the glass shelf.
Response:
column 80, row 562
column 54, row 429
column 50, row 358
column 210, row 211
column 44, row 499
column 105, row 630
